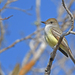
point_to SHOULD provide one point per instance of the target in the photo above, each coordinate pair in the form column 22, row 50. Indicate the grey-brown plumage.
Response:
column 52, row 35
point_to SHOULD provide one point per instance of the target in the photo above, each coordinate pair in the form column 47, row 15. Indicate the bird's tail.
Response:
column 71, row 56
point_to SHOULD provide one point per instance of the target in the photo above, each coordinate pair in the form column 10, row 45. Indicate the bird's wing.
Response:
column 57, row 33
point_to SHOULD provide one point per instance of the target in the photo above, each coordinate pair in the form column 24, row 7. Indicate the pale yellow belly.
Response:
column 51, row 40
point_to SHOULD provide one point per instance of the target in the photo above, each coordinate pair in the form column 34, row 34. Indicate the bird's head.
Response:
column 51, row 21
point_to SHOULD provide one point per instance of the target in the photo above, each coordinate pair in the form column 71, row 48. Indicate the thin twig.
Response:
column 19, row 40
column 6, row 18
column 7, row 3
column 16, row 8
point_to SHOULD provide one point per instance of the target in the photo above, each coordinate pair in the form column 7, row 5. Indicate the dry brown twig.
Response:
column 23, row 10
column 61, row 11
column 7, row 3
column 48, row 68
column 2, row 29
column 6, row 18
column 19, row 40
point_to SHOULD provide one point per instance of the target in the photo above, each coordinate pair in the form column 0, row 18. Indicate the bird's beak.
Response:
column 43, row 22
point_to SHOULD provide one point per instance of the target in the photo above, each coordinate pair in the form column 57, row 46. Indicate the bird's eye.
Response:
column 51, row 22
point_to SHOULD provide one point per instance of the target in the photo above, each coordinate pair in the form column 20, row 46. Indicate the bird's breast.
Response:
column 50, row 39
column 47, row 28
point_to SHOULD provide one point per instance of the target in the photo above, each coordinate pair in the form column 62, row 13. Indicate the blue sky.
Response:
column 21, row 22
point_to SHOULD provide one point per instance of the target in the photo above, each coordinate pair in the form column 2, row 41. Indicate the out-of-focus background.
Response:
column 22, row 45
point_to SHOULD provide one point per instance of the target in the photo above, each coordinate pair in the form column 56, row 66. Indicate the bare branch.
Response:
column 2, row 32
column 38, row 10
column 19, row 40
column 72, row 32
column 72, row 18
column 32, row 51
column 6, row 18
column 48, row 69
column 32, row 62
column 16, row 8
column 8, row 2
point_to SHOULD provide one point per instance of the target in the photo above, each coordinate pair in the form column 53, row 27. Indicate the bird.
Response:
column 52, row 33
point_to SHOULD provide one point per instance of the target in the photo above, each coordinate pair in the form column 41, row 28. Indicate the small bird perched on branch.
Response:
column 52, row 35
